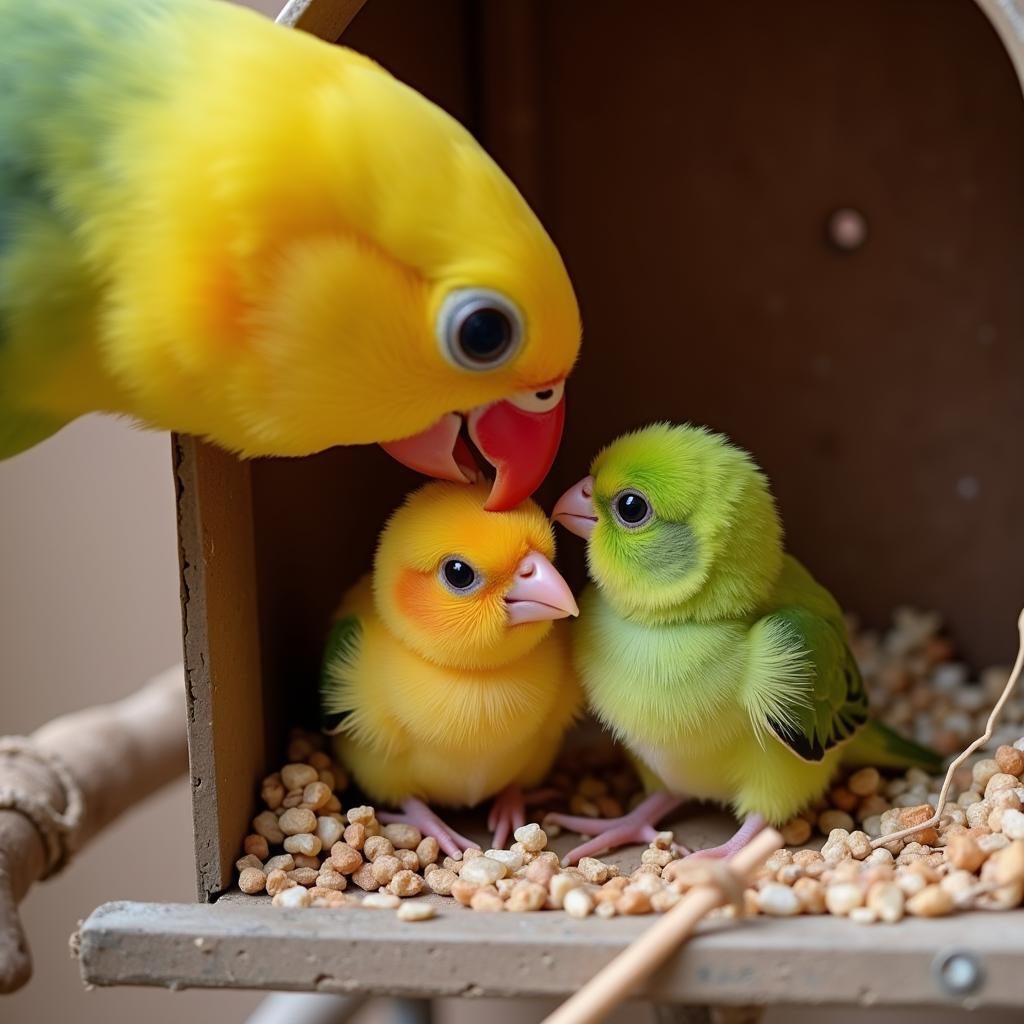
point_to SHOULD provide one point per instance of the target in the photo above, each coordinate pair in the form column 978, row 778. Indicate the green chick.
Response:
column 713, row 655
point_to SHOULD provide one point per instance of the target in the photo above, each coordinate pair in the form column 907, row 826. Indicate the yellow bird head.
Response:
column 383, row 279
column 465, row 587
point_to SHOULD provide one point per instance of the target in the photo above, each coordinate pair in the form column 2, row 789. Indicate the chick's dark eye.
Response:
column 485, row 335
column 458, row 575
column 632, row 509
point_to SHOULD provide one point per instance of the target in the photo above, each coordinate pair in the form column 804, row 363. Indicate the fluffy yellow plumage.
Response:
column 225, row 227
column 445, row 677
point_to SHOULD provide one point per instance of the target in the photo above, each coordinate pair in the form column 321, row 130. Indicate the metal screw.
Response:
column 847, row 229
column 958, row 973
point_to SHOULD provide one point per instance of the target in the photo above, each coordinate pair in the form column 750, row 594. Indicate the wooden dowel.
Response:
column 616, row 982
column 117, row 754
column 324, row 18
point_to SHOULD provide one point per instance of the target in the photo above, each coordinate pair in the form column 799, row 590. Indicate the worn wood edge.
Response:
column 199, row 721
column 326, row 19
column 222, row 666
column 245, row 943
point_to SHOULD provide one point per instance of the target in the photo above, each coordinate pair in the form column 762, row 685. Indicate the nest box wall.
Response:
column 687, row 159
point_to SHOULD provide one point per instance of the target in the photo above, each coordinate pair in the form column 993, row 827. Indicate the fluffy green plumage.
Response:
column 717, row 658
column 64, row 74
column 689, row 562
column 340, row 652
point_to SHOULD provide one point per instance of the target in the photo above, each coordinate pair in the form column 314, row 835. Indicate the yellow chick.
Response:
column 445, row 679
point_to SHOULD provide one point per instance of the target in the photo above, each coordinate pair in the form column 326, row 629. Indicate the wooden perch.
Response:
column 324, row 19
column 95, row 763
column 616, row 982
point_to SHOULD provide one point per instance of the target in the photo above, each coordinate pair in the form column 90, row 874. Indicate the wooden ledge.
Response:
column 242, row 942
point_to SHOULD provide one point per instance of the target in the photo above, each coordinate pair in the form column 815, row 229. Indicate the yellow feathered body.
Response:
column 449, row 736
column 436, row 697
column 225, row 227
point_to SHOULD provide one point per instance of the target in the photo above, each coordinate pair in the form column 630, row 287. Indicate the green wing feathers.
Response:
column 805, row 687
column 339, row 658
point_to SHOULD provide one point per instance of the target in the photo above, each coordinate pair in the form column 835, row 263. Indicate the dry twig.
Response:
column 980, row 741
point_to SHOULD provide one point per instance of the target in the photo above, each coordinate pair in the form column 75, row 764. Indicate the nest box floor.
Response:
column 242, row 942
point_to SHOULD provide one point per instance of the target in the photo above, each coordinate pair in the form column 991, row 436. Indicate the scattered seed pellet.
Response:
column 416, row 911
column 483, row 870
column 252, row 881
column 380, row 901
column 294, row 897
column 282, row 862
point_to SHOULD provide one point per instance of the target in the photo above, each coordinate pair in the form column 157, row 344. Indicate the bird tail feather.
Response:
column 881, row 747
column 20, row 431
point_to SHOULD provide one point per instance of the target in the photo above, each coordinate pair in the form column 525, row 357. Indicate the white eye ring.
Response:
column 478, row 329
column 542, row 400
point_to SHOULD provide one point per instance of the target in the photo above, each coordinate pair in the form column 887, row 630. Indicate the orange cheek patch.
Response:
column 421, row 599
column 417, row 599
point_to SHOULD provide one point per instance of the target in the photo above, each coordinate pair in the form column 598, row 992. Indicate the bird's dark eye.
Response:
column 632, row 509
column 458, row 575
column 478, row 329
column 485, row 334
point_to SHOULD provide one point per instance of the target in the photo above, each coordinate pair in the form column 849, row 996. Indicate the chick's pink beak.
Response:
column 518, row 436
column 575, row 509
column 538, row 592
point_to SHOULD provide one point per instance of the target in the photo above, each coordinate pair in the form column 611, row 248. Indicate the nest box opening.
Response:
column 797, row 223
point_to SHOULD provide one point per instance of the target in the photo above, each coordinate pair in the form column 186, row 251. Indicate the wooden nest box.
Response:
column 799, row 222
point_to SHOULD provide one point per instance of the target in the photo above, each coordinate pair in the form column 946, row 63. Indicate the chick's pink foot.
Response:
column 416, row 812
column 750, row 827
column 611, row 833
column 508, row 812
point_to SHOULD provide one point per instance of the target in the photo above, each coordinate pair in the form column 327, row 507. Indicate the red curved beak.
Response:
column 520, row 444
column 520, row 441
column 575, row 509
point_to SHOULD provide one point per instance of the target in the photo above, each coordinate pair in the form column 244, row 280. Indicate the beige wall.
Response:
column 88, row 610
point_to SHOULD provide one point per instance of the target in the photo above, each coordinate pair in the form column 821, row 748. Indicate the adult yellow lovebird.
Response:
column 444, row 680
column 714, row 656
column 225, row 227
